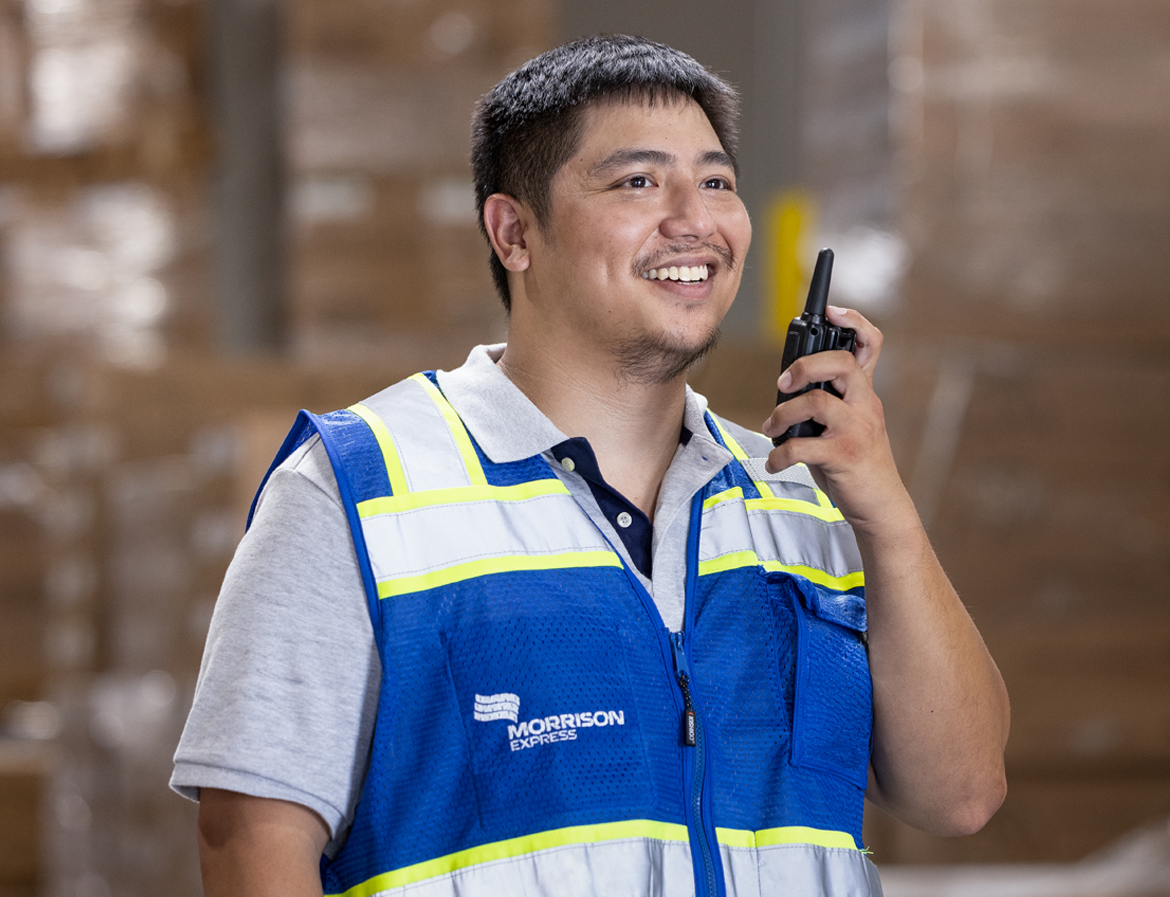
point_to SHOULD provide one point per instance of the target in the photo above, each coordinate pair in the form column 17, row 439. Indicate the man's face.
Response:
column 643, row 249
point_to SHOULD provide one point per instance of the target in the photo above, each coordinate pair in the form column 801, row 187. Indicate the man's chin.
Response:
column 653, row 360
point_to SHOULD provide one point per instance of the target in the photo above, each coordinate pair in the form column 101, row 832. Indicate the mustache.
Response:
column 655, row 258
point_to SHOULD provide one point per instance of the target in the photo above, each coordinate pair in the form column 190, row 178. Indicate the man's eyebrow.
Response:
column 717, row 157
column 623, row 157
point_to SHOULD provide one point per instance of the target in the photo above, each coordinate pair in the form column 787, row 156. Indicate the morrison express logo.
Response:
column 541, row 729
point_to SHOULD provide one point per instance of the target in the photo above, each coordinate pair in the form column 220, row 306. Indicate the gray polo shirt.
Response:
column 289, row 686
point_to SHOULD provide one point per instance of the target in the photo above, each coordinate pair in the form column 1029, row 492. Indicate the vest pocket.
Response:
column 833, row 703
column 550, row 719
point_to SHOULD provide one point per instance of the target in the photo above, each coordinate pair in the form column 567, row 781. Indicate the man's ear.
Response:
column 507, row 221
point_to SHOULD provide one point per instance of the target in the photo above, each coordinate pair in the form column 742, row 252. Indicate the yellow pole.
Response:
column 789, row 221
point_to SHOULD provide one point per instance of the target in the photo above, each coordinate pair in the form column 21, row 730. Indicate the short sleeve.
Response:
column 289, row 685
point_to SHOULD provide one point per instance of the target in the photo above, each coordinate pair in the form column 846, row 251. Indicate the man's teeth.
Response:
column 684, row 274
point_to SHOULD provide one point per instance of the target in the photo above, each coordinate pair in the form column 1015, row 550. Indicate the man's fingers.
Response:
column 816, row 404
column 820, row 367
column 869, row 338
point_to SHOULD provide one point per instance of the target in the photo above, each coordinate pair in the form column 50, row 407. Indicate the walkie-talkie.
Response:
column 810, row 333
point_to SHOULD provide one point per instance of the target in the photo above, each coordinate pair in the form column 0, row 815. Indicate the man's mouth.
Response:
column 684, row 274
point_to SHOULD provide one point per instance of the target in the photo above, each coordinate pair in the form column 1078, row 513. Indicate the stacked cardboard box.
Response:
column 104, row 147
column 386, row 257
column 1028, row 391
column 131, row 583
column 23, row 774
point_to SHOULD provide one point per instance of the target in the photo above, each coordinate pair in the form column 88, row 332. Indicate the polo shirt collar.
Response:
column 505, row 423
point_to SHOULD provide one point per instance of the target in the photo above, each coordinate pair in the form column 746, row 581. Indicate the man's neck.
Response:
column 633, row 427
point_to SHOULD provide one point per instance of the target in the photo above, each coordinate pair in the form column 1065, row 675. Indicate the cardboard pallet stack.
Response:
column 129, row 451
column 104, row 148
column 125, row 494
column 1028, row 391
column 386, row 256
column 187, row 445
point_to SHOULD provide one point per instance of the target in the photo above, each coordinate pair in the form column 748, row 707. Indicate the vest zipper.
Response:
column 708, row 866
column 693, row 783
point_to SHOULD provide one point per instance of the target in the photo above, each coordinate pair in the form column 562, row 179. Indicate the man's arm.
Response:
column 257, row 847
column 940, row 706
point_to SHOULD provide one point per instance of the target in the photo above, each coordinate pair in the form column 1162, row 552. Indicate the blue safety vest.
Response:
column 540, row 731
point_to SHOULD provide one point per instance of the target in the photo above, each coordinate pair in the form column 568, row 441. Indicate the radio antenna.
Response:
column 818, row 288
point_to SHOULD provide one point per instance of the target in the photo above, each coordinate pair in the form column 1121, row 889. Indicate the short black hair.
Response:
column 530, row 124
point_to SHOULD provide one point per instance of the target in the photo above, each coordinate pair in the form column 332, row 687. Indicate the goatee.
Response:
column 653, row 360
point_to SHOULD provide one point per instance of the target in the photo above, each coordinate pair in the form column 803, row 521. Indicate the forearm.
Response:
column 254, row 847
column 941, row 711
column 940, row 706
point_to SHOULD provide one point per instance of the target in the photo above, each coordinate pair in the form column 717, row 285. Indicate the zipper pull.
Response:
column 690, row 721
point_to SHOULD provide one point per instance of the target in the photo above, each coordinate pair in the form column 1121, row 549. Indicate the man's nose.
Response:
column 687, row 215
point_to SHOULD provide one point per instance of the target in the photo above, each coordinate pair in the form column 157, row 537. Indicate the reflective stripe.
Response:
column 799, row 869
column 386, row 443
column 442, row 543
column 515, row 563
column 789, row 834
column 518, row 847
column 735, row 494
column 646, row 857
column 740, row 559
column 740, row 455
column 804, row 544
column 824, row 510
column 395, row 504
column 458, row 432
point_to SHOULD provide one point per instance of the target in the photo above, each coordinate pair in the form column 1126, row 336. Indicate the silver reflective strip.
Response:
column 427, row 450
column 424, row 540
column 800, row 870
column 636, row 866
column 788, row 538
column 644, row 867
column 797, row 473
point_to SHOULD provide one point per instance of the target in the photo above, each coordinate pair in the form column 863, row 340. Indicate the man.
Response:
column 605, row 647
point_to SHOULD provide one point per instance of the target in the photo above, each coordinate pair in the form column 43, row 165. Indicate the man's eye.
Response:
column 718, row 184
column 638, row 181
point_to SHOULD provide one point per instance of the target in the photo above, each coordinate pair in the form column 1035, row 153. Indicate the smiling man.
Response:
column 546, row 625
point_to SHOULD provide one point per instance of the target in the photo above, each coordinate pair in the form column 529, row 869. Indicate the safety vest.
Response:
column 541, row 731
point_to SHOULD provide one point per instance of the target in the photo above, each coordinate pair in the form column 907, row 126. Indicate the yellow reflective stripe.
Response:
column 823, row 510
column 458, row 431
column 740, row 455
column 516, row 847
column 486, row 566
column 738, row 559
column 789, row 834
column 391, row 504
column 736, row 449
column 719, row 497
column 389, row 452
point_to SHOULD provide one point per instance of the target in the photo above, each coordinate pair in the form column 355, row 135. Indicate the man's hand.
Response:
column 940, row 707
column 851, row 461
column 256, row 847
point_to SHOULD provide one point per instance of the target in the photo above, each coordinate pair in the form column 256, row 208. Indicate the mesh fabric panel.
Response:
column 549, row 640
column 746, row 656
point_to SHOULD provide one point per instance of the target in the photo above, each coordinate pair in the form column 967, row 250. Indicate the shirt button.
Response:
column 569, row 464
column 624, row 519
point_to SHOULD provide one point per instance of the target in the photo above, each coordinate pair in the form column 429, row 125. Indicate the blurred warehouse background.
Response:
column 215, row 212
